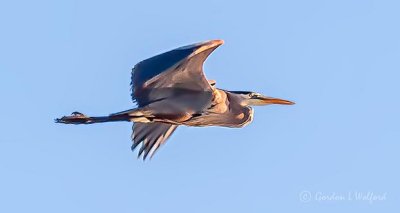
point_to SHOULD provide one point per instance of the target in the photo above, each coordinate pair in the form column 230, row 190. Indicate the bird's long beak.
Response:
column 264, row 100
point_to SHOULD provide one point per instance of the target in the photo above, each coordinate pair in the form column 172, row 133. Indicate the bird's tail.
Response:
column 79, row 118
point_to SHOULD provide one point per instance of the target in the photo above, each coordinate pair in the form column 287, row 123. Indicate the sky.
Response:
column 336, row 150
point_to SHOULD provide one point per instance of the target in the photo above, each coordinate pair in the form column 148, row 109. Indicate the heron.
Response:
column 171, row 89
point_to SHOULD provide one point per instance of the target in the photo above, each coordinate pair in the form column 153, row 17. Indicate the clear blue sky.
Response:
column 338, row 60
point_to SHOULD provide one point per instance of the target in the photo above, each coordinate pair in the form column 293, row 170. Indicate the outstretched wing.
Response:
column 151, row 136
column 171, row 73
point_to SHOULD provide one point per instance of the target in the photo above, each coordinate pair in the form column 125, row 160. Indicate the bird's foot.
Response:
column 74, row 118
column 78, row 114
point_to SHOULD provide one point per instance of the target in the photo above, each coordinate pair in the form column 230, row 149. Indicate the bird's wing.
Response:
column 169, row 73
column 151, row 136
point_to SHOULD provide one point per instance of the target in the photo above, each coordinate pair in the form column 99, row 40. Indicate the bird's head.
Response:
column 256, row 99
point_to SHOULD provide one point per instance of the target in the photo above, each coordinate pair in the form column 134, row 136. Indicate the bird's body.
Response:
column 225, row 110
column 171, row 89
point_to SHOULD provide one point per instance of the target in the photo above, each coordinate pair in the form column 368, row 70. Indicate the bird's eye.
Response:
column 255, row 95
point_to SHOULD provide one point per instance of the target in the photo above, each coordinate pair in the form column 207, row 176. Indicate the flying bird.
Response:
column 171, row 89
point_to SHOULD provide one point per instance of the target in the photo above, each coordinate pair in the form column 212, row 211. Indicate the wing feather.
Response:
column 151, row 136
column 178, row 70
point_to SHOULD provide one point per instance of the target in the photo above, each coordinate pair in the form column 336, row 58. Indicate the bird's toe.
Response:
column 77, row 114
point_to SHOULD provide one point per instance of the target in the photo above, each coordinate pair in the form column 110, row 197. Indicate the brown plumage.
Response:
column 171, row 89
